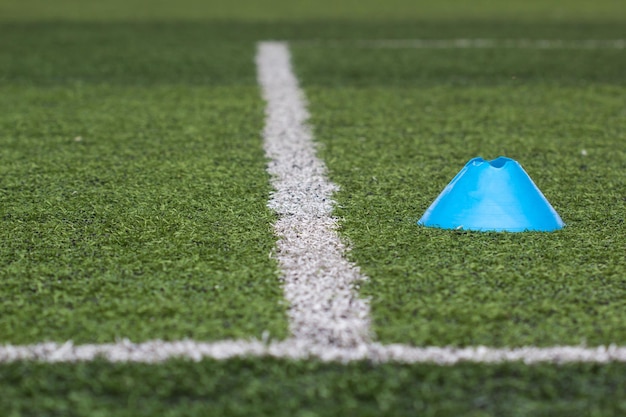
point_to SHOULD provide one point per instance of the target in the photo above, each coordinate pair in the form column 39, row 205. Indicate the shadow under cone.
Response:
column 495, row 195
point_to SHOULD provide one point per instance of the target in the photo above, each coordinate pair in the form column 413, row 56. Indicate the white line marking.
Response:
column 158, row 351
column 474, row 43
column 318, row 280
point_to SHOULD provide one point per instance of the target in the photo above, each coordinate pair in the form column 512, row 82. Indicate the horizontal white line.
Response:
column 474, row 43
column 158, row 351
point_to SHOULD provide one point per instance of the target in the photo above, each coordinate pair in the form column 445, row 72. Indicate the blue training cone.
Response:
column 495, row 195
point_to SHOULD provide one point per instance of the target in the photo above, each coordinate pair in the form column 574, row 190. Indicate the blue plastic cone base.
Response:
column 495, row 195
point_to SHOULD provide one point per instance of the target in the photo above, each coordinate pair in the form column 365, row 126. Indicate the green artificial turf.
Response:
column 263, row 387
column 153, row 223
column 347, row 65
column 142, row 54
column 133, row 189
column 309, row 9
column 396, row 125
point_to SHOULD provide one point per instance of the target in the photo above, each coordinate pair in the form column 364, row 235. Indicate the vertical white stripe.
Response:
column 318, row 281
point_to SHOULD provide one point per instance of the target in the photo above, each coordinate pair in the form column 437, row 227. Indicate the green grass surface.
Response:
column 306, row 389
column 397, row 125
column 133, row 194
column 52, row 54
column 310, row 9
column 347, row 65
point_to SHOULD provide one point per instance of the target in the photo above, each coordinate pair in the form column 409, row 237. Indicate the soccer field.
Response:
column 211, row 209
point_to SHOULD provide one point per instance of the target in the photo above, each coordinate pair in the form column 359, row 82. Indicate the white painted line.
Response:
column 158, row 351
column 474, row 43
column 318, row 281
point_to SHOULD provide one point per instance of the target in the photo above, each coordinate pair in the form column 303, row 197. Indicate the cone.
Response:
column 495, row 195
